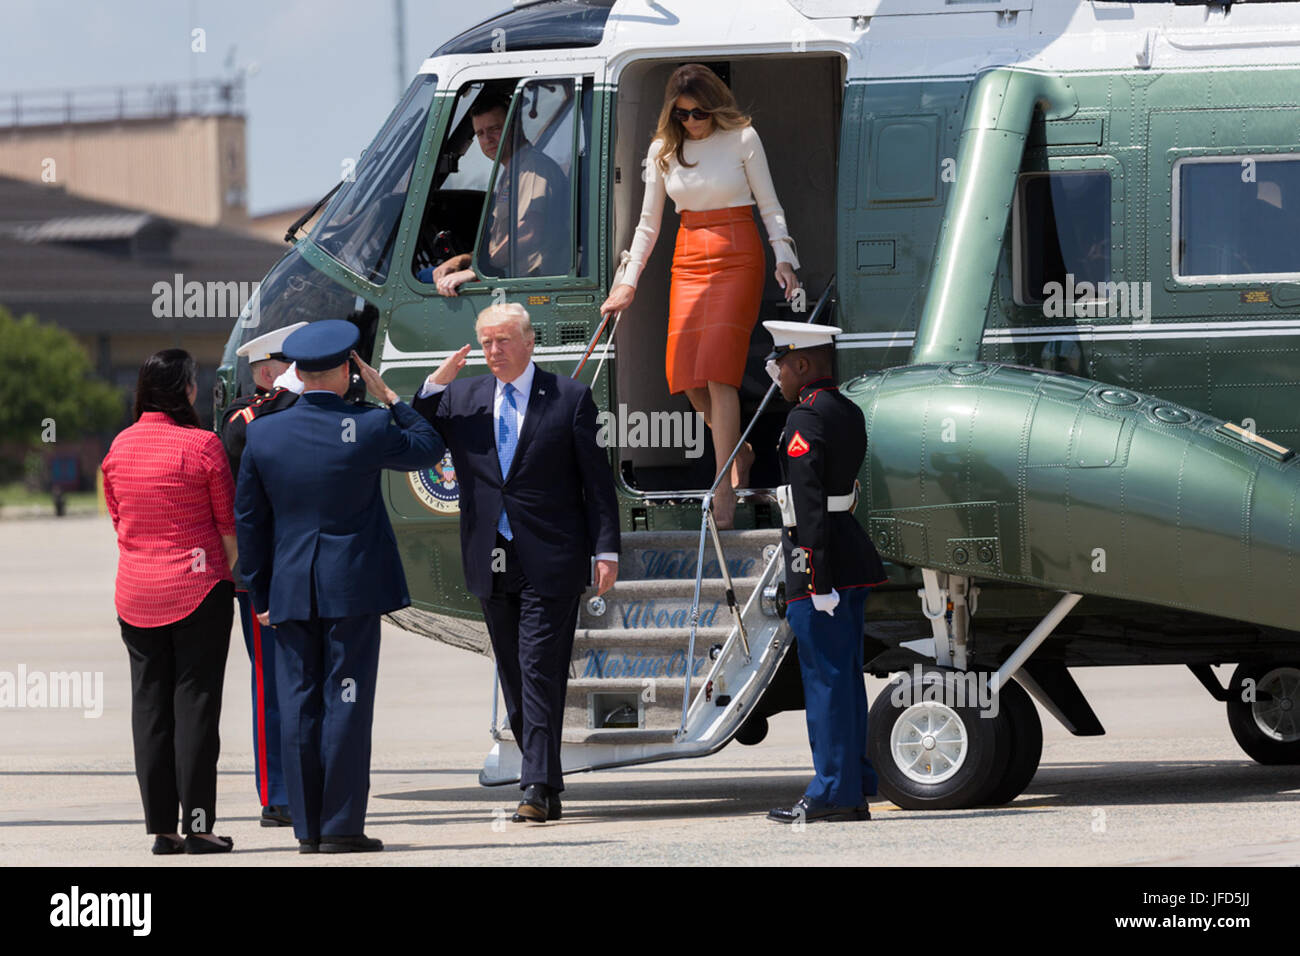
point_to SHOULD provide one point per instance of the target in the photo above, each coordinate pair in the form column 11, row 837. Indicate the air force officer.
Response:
column 321, row 562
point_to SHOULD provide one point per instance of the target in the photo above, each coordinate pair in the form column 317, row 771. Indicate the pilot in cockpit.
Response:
column 532, row 189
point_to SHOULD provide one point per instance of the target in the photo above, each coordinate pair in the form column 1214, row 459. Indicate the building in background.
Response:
column 176, row 150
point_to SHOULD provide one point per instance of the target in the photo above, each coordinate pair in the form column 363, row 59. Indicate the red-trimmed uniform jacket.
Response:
column 234, row 429
column 822, row 449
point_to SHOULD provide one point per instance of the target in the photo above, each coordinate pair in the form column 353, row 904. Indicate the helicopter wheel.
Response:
column 933, row 754
column 1016, row 707
column 1267, row 727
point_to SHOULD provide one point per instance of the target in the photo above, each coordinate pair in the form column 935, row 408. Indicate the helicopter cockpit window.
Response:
column 295, row 291
column 359, row 226
column 1237, row 216
column 1061, row 227
column 528, row 227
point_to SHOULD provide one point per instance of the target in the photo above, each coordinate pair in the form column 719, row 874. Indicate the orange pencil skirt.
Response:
column 713, row 303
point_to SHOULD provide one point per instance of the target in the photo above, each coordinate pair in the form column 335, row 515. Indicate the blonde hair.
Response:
column 709, row 92
column 506, row 312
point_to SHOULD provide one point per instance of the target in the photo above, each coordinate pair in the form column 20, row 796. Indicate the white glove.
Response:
column 826, row 602
column 289, row 379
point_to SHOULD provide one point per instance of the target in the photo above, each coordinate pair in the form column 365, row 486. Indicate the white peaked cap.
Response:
column 788, row 336
column 267, row 346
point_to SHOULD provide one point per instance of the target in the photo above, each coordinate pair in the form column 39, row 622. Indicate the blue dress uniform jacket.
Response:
column 822, row 449
column 328, row 536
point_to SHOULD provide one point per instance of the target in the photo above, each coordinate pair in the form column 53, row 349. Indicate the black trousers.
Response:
column 177, row 671
column 532, row 637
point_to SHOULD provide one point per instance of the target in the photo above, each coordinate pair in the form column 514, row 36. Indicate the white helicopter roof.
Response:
column 899, row 39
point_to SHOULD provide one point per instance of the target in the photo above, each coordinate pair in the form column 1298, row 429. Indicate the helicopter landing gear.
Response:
column 1264, row 711
column 944, row 737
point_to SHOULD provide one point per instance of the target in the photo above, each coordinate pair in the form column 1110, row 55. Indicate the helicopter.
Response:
column 1061, row 240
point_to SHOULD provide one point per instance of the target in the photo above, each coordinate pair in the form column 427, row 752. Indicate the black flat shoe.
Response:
column 535, row 807
column 802, row 812
column 163, row 846
column 349, row 844
column 309, row 846
column 276, row 816
column 195, row 844
column 554, row 799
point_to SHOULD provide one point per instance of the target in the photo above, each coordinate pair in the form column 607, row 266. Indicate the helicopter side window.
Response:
column 1061, row 224
column 527, row 230
column 1236, row 217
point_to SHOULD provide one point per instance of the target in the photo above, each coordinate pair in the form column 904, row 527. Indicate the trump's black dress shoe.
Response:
column 195, row 844
column 276, row 816
column 309, row 845
column 535, row 806
column 350, row 844
column 162, row 846
column 803, row 812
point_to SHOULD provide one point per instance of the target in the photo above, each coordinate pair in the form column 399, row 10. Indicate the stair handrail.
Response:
column 709, row 528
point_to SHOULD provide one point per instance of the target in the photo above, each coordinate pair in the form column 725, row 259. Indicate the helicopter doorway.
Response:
column 795, row 103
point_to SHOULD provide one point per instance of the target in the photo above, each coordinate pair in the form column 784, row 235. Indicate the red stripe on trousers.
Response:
column 264, row 788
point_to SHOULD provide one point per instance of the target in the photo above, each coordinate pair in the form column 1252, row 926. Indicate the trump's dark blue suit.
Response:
column 318, row 552
column 562, row 508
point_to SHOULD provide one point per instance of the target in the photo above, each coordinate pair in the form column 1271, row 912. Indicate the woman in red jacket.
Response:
column 170, row 494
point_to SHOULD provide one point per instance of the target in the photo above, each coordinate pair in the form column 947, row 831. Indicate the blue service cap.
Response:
column 322, row 345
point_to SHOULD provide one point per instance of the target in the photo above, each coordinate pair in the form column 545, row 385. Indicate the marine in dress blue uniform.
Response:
column 266, row 362
column 830, row 564
column 321, row 563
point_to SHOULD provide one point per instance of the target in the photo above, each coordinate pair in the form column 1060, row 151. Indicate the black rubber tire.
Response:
column 984, row 766
column 752, row 731
column 1241, row 718
column 1017, row 708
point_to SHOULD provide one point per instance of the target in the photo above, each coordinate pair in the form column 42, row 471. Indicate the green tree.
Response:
column 47, row 389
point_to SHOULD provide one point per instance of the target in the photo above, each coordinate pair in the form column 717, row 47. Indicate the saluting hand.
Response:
column 446, row 373
column 374, row 384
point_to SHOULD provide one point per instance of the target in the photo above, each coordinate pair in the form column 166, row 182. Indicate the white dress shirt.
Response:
column 523, row 389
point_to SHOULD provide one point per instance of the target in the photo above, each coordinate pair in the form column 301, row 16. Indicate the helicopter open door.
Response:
column 795, row 101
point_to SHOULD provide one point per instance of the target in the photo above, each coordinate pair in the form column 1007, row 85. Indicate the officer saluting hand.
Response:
column 830, row 565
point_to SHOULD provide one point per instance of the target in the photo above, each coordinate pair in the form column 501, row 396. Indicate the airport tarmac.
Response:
column 1167, row 785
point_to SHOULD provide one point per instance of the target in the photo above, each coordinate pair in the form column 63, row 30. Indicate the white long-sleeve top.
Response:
column 731, row 170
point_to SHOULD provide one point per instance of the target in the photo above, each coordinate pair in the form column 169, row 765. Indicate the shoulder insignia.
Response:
column 248, row 414
column 798, row 446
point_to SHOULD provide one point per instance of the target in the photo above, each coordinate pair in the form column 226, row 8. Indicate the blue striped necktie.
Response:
column 507, row 440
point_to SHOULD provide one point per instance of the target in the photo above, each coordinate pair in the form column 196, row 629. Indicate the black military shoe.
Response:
column 535, row 807
column 801, row 811
column 554, row 797
column 276, row 816
column 350, row 844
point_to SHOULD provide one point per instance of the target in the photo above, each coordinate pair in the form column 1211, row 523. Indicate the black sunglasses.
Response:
column 683, row 115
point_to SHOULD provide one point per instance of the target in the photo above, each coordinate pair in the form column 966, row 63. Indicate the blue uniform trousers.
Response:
column 267, row 771
column 325, row 674
column 835, row 700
